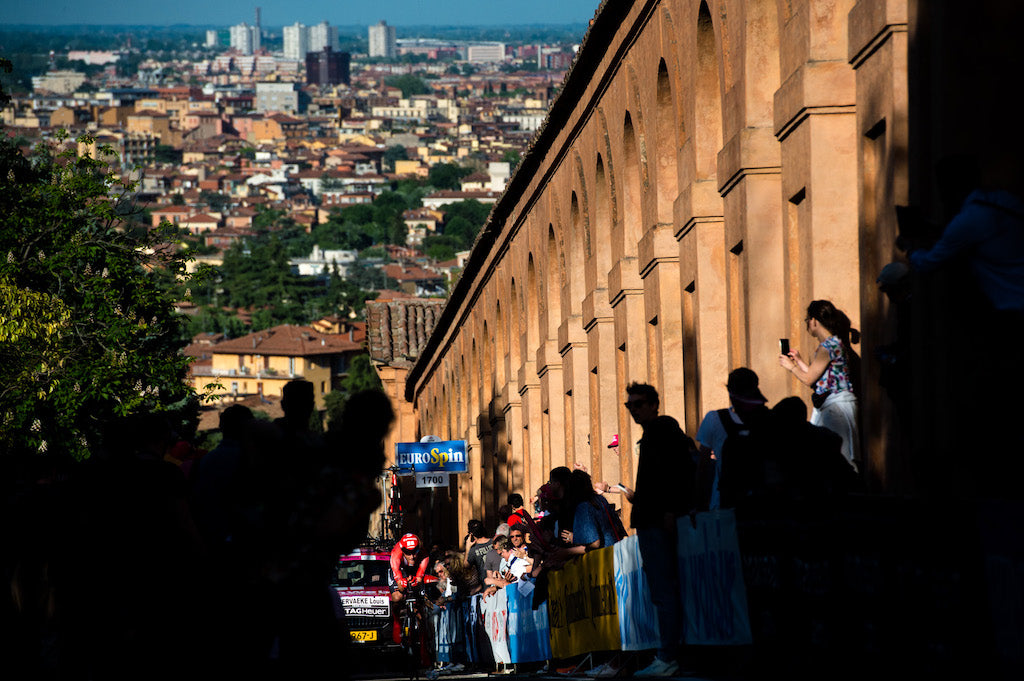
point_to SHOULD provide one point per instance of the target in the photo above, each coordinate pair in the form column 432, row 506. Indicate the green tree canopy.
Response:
column 472, row 210
column 395, row 152
column 409, row 83
column 447, row 175
column 88, row 330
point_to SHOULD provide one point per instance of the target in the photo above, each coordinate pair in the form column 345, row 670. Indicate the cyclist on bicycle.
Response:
column 407, row 571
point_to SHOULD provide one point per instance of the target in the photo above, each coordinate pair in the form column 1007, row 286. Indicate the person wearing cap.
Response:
column 719, row 424
column 405, row 568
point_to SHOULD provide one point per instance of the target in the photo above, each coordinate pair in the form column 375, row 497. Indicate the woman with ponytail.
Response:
column 830, row 373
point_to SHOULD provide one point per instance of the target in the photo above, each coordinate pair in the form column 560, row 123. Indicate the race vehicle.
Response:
column 362, row 581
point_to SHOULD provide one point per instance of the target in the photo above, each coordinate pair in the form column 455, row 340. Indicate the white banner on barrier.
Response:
column 638, row 621
column 711, row 576
column 495, row 612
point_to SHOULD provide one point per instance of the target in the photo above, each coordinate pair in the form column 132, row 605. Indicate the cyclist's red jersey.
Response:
column 404, row 572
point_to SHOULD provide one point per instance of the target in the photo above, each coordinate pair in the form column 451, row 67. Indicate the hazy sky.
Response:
column 282, row 12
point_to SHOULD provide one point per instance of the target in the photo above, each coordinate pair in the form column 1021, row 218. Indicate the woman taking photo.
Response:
column 830, row 374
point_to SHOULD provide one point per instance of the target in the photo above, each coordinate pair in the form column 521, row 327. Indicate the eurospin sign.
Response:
column 447, row 456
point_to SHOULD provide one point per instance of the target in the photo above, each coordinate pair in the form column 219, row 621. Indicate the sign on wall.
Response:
column 448, row 456
column 426, row 480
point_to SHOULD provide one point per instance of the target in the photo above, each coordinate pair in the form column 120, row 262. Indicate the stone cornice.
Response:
column 816, row 88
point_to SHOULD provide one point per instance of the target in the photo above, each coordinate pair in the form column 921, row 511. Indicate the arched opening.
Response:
column 579, row 254
column 487, row 375
column 515, row 331
column 462, row 427
column 475, row 387
column 603, row 225
column 447, row 434
column 707, row 131
column 632, row 211
column 554, row 262
column 533, row 290
column 500, row 343
column 668, row 144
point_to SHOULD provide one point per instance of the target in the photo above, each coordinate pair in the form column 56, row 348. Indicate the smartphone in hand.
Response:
column 784, row 346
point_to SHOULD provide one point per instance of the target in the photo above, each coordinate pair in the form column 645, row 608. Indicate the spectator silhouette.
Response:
column 128, row 579
column 664, row 490
column 988, row 231
column 216, row 490
column 717, row 426
column 815, row 474
column 747, row 455
column 977, row 267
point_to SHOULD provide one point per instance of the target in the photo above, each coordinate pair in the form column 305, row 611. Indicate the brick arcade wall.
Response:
column 697, row 183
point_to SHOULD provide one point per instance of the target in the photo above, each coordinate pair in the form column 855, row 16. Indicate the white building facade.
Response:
column 296, row 41
column 245, row 38
column 321, row 36
column 383, row 42
column 489, row 52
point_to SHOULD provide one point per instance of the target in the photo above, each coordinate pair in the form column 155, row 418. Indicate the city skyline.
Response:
column 279, row 13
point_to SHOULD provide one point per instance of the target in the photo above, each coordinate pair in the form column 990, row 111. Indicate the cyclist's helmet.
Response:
column 409, row 543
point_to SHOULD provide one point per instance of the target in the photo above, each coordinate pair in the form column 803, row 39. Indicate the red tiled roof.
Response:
column 291, row 341
column 409, row 273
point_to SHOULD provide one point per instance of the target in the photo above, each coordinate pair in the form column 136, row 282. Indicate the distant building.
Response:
column 446, row 196
column 245, row 38
column 320, row 262
column 327, row 67
column 93, row 57
column 498, row 173
column 263, row 362
column 489, row 52
column 382, row 40
column 58, row 82
column 323, row 35
column 212, row 39
column 273, row 96
column 296, row 41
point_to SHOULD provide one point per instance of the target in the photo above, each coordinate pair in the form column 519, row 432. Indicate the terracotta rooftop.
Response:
column 410, row 273
column 399, row 329
column 291, row 341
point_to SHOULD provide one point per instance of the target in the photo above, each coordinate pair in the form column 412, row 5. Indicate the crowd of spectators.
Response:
column 143, row 566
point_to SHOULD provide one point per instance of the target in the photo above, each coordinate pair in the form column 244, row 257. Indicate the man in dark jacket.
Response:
column 664, row 490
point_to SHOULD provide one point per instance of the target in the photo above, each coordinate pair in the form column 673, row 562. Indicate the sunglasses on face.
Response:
column 633, row 404
column 517, row 535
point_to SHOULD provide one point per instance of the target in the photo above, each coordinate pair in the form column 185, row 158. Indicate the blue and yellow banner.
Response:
column 448, row 456
column 528, row 632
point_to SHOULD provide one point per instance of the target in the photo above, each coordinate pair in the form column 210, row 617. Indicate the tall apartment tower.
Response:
column 242, row 38
column 211, row 39
column 257, row 32
column 321, row 36
column 382, row 40
column 296, row 41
